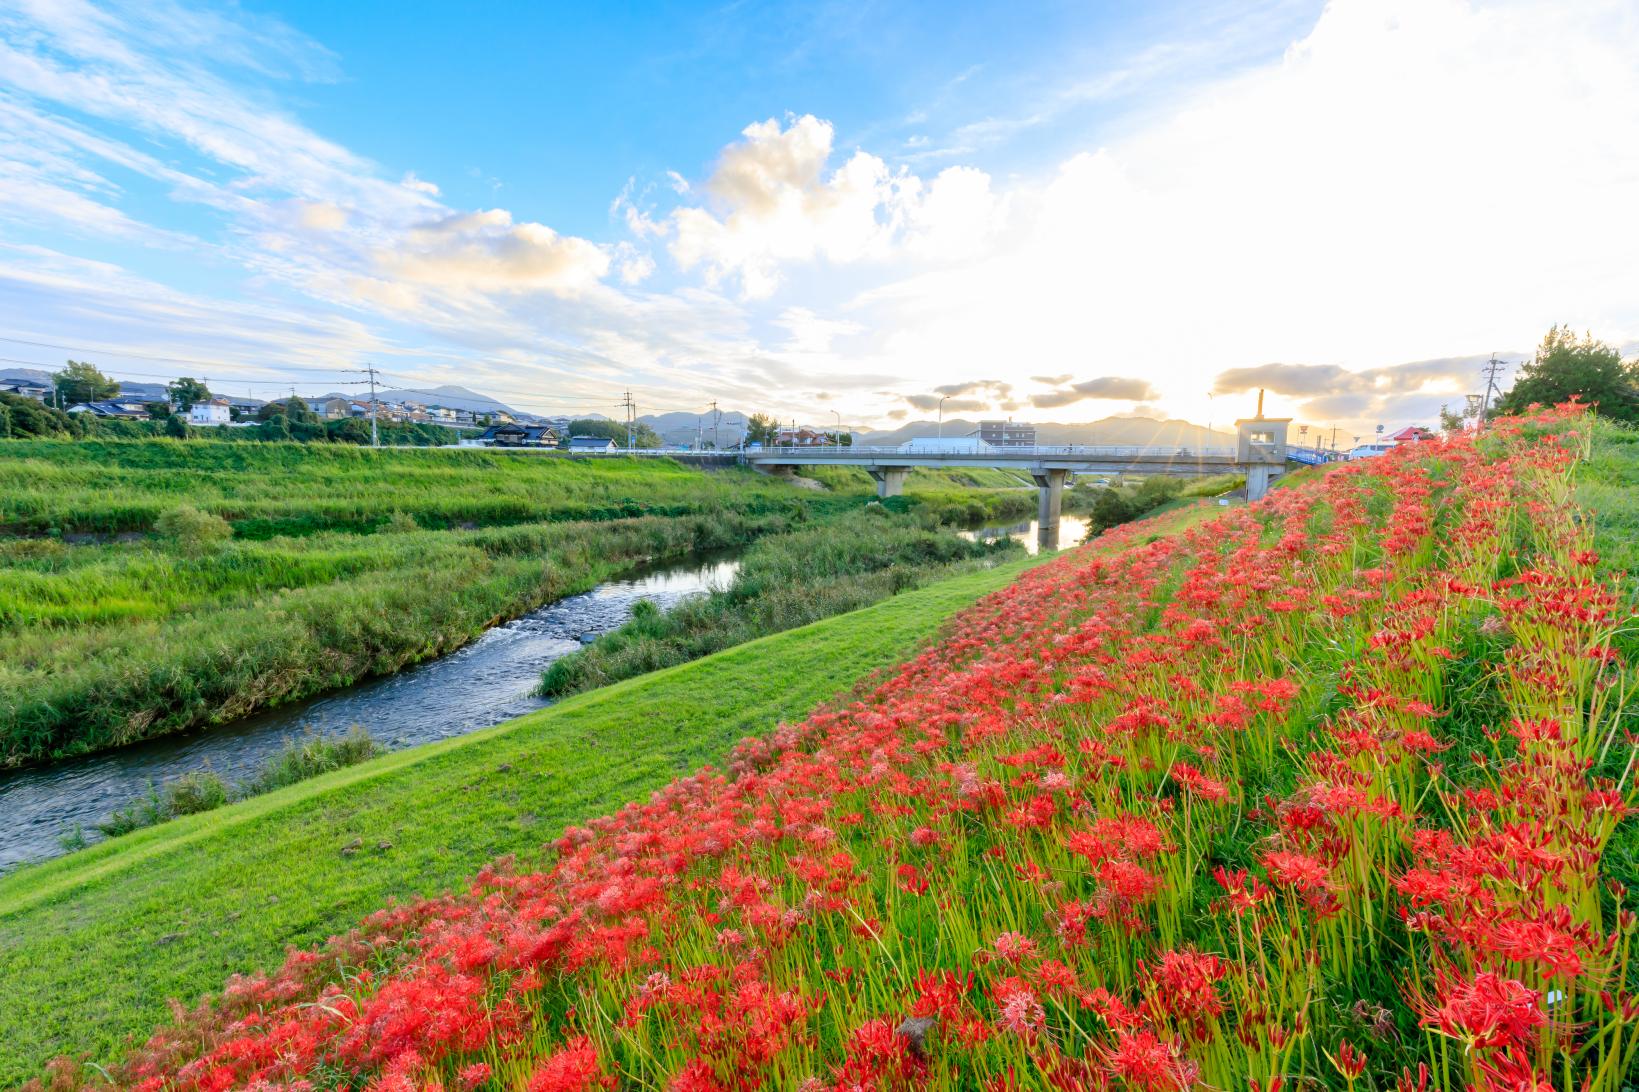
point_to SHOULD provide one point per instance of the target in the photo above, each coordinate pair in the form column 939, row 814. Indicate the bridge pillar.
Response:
column 1051, row 485
column 776, row 470
column 890, row 480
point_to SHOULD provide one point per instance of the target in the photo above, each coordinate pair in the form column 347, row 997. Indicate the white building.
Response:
column 214, row 412
column 947, row 445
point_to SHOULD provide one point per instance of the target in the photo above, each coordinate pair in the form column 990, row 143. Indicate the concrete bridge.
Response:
column 1260, row 454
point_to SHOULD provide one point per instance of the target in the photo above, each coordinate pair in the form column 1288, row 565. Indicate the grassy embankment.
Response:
column 785, row 581
column 342, row 563
column 93, row 945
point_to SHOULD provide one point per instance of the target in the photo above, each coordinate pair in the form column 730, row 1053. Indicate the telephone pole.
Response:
column 631, row 419
column 716, row 419
column 375, row 437
column 1493, row 368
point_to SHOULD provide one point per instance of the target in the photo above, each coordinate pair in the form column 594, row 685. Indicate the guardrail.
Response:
column 1033, row 451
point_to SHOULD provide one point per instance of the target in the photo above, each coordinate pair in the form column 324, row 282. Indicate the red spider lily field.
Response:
column 1316, row 794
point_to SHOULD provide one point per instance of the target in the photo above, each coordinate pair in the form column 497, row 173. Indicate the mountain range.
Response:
column 687, row 428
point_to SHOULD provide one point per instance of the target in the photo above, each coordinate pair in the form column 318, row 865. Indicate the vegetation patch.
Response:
column 784, row 581
column 1256, row 805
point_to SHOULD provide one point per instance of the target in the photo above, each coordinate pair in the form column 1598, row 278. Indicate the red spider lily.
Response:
column 1005, row 843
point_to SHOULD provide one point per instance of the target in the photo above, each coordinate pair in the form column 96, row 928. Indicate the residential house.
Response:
column 591, row 443
column 802, row 437
column 27, row 388
column 518, row 436
column 1411, row 434
column 128, row 410
column 334, row 409
column 214, row 412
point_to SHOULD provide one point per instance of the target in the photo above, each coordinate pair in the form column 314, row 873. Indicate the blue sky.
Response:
column 1054, row 211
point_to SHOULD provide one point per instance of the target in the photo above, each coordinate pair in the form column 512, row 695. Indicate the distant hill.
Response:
column 448, row 396
column 685, row 428
column 1135, row 431
column 17, row 375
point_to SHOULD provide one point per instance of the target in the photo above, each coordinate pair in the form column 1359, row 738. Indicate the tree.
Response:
column 1588, row 370
column 1450, row 423
column 642, row 435
column 177, row 428
column 186, row 391
column 1111, row 509
column 30, row 418
column 82, row 382
column 158, row 410
column 761, row 429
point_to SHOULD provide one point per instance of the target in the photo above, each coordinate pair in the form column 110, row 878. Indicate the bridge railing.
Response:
column 1117, row 451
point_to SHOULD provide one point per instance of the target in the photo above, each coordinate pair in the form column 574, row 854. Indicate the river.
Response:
column 484, row 683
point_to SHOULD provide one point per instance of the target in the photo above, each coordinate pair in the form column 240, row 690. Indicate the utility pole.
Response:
column 716, row 420
column 375, row 437
column 1493, row 368
column 631, row 420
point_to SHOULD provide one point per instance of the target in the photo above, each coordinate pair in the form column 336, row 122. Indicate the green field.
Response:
column 151, row 586
column 92, row 945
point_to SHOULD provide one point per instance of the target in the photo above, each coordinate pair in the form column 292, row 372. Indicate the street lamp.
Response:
column 942, row 398
column 836, row 437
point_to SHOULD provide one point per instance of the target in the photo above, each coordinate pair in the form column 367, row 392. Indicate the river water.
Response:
column 1072, row 529
column 486, row 682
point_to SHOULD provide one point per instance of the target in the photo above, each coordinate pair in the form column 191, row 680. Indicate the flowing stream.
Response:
column 484, row 683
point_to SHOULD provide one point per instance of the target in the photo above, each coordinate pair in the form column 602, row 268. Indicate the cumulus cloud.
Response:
column 995, row 387
column 1052, row 380
column 1329, row 392
column 952, row 405
column 774, row 201
column 1114, row 388
column 486, row 250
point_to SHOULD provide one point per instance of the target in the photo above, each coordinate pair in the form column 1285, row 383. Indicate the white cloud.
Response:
column 1381, row 193
column 775, row 203
column 487, row 251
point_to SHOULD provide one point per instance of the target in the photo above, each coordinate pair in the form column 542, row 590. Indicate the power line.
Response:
column 161, row 359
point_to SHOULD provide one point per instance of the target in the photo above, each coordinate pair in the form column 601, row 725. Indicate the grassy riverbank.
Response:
column 151, row 586
column 92, row 945
column 785, row 580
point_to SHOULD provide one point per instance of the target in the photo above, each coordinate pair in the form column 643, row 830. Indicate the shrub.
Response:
column 400, row 522
column 192, row 530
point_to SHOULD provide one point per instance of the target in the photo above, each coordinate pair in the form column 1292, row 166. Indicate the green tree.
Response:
column 158, row 410
column 177, row 428
column 1111, row 509
column 643, row 436
column 761, row 429
column 82, row 382
column 186, row 391
column 1567, row 367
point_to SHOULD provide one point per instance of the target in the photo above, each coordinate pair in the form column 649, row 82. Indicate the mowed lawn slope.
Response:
column 93, row 945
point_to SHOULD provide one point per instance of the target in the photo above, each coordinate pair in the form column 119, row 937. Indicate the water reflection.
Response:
column 1072, row 529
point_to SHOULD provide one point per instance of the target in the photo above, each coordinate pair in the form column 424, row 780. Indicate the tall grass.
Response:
column 203, row 790
column 226, row 578
column 784, row 581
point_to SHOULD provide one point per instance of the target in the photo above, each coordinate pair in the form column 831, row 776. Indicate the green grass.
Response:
column 784, row 581
column 248, row 575
column 92, row 945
